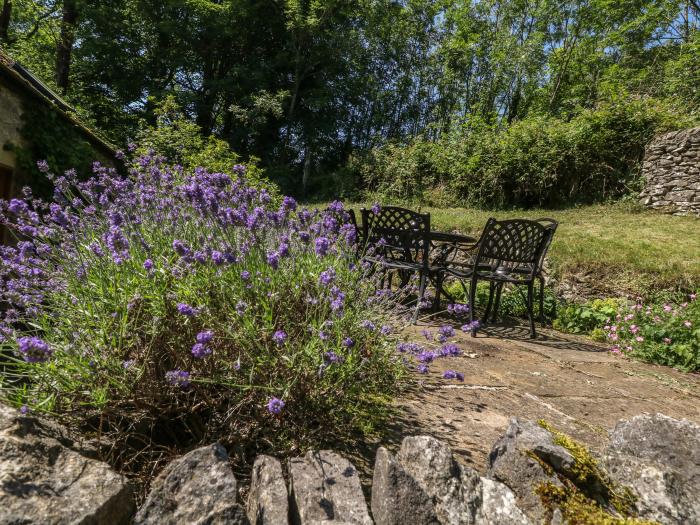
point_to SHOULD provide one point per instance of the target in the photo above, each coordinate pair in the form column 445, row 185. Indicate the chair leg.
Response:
column 438, row 290
column 487, row 312
column 421, row 293
column 472, row 301
column 497, row 304
column 542, row 316
column 530, row 313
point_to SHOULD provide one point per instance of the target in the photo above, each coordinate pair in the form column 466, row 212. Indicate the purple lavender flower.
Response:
column 34, row 349
column 426, row 356
column 473, row 326
column 321, row 246
column 245, row 275
column 180, row 248
column 200, row 350
column 288, row 204
column 427, row 334
column 457, row 309
column 178, row 378
column 241, row 307
column 186, row 309
column 273, row 260
column 205, row 337
column 446, row 331
column 24, row 410
column 409, row 347
column 452, row 374
column 348, row 342
column 275, row 406
column 332, row 357
column 117, row 244
column 368, row 325
column 422, row 368
column 148, row 265
column 42, row 166
column 450, row 350
column 376, row 208
column 217, row 258
column 279, row 337
column 327, row 277
column 386, row 330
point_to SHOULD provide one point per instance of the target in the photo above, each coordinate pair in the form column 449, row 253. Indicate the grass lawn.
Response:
column 616, row 248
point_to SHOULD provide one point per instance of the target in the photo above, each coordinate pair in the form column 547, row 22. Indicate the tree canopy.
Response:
column 303, row 85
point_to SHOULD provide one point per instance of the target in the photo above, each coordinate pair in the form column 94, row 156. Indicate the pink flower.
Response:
column 693, row 296
column 667, row 340
column 684, row 305
column 628, row 317
column 613, row 337
column 634, row 329
column 613, row 328
column 639, row 339
column 667, row 308
column 615, row 349
column 687, row 324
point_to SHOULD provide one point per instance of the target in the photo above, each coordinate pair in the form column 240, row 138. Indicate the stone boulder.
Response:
column 659, row 458
column 326, row 488
column 397, row 498
column 196, row 489
column 268, row 498
column 516, row 460
column 459, row 494
column 44, row 479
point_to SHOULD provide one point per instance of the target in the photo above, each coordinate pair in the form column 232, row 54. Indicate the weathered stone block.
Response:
column 659, row 457
column 397, row 498
column 196, row 489
column 43, row 480
column 268, row 498
column 326, row 489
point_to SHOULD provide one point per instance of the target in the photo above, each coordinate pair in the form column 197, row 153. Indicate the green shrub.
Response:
column 178, row 139
column 539, row 161
column 175, row 307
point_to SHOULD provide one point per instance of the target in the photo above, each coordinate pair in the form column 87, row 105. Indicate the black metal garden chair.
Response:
column 398, row 240
column 508, row 252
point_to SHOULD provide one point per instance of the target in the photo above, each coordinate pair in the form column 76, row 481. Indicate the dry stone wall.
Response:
column 48, row 478
column 671, row 169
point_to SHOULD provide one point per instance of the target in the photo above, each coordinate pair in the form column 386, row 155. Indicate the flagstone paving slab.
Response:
column 577, row 386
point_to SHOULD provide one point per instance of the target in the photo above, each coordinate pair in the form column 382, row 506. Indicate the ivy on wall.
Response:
column 49, row 136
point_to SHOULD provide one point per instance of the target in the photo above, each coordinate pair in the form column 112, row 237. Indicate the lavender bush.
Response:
column 170, row 307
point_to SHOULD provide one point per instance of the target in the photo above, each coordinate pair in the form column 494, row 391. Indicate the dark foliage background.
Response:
column 515, row 102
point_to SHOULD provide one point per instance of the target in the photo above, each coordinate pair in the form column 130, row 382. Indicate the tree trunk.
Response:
column 64, row 49
column 5, row 16
column 307, row 171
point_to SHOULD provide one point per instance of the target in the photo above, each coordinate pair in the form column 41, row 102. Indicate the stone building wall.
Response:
column 10, row 122
column 671, row 169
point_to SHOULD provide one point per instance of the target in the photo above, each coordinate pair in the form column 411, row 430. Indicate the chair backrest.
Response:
column 551, row 227
column 397, row 233
column 513, row 244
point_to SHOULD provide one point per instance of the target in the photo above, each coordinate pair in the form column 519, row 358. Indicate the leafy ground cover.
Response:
column 172, row 307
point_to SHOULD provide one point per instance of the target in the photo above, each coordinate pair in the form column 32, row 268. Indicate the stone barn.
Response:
column 36, row 124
